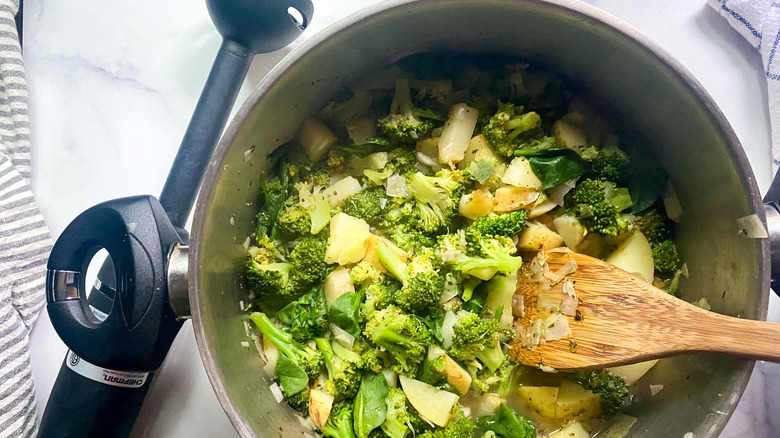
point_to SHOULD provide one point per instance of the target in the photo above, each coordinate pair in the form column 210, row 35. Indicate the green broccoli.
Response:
column 487, row 255
column 274, row 196
column 506, row 125
column 343, row 373
column 364, row 274
column 460, row 427
column 401, row 125
column 477, row 338
column 422, row 284
column 339, row 424
column 372, row 357
column 308, row 262
column 294, row 221
column 299, row 401
column 404, row 336
column 273, row 284
column 401, row 223
column 653, row 225
column 378, row 296
column 665, row 258
column 597, row 204
column 368, row 204
column 264, row 253
column 307, row 358
column 612, row 389
column 437, row 198
column 306, row 317
column 399, row 417
column 507, row 225
column 606, row 164
column 507, row 424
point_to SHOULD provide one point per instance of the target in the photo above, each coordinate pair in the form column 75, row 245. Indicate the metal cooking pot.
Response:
column 647, row 94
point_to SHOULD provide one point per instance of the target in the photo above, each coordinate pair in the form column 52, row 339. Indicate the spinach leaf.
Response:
column 645, row 186
column 428, row 114
column 506, row 424
column 291, row 376
column 370, row 408
column 554, row 166
column 376, row 144
column 305, row 317
column 345, row 312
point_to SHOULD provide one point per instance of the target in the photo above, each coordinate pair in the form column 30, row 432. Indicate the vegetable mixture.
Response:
column 389, row 239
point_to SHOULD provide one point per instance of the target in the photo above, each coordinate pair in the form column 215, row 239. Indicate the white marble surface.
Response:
column 112, row 86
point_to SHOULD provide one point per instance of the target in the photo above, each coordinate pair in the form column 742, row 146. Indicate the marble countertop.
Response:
column 112, row 86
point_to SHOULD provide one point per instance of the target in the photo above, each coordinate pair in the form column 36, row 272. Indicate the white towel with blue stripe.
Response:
column 24, row 239
column 759, row 22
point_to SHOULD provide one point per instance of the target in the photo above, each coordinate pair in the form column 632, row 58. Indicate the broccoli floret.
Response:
column 501, row 380
column 612, row 389
column 294, row 221
column 343, row 373
column 401, row 223
column 265, row 251
column 607, row 164
column 506, row 424
column 364, row 274
column 597, row 204
column 437, row 198
column 312, row 200
column 487, row 255
column 335, row 160
column 372, row 357
column 299, row 401
column 653, row 225
column 368, row 204
column 378, row 296
column 665, row 258
column 308, row 260
column 477, row 338
column 422, row 284
column 507, row 225
column 401, row 125
column 339, row 424
column 404, row 336
column 309, row 359
column 460, row 427
column 403, row 161
column 305, row 318
column 399, row 418
column 273, row 284
column 506, row 125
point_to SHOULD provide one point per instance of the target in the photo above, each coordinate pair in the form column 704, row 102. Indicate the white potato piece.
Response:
column 501, row 290
column 573, row 430
column 270, row 352
column 520, row 174
column 428, row 147
column 538, row 237
column 488, row 404
column 341, row 190
column 432, row 403
column 457, row 132
column 541, row 208
column 476, row 204
column 591, row 245
column 320, row 404
column 316, row 139
column 337, row 283
column 361, row 130
column 570, row 228
column 457, row 377
column 372, row 243
column 479, row 147
column 542, row 399
column 510, row 198
column 346, row 243
column 574, row 401
column 570, row 136
column 634, row 255
column 632, row 373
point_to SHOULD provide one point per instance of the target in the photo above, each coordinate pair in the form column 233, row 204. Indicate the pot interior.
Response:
column 658, row 108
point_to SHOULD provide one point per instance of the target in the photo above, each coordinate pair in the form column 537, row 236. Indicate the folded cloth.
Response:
column 759, row 22
column 24, row 239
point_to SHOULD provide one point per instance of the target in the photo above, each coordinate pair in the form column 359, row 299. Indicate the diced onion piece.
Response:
column 457, row 132
column 447, row 329
column 569, row 306
column 655, row 389
column 537, row 268
column 476, row 204
column 337, row 283
column 672, row 203
column 361, row 130
column 541, row 208
column 316, row 139
column 510, row 198
column 428, row 161
column 520, row 174
column 622, row 424
column 752, row 227
column 489, row 404
column 277, row 392
column 518, row 306
column 557, row 328
column 343, row 338
column 558, row 192
column 270, row 352
column 427, row 152
column 390, row 376
column 341, row 190
column 568, row 268
column 248, row 154
column 396, row 187
column 532, row 334
column 245, row 344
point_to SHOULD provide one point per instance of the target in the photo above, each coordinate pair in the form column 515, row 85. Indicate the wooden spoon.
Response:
column 626, row 320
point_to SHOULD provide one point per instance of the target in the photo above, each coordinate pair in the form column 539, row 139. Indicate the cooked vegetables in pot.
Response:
column 391, row 237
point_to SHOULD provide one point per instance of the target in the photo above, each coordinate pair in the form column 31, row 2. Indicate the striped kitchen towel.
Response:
column 759, row 22
column 24, row 239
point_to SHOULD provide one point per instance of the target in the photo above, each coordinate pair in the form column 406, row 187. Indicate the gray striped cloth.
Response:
column 24, row 239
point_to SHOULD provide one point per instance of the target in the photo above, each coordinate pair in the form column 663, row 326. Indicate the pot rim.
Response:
column 586, row 11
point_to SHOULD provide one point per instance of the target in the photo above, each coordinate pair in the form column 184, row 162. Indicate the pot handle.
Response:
column 140, row 324
column 772, row 210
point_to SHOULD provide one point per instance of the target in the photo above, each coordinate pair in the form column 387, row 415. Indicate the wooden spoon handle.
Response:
column 743, row 337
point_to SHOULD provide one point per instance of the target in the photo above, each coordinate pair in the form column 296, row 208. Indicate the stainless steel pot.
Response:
column 646, row 92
